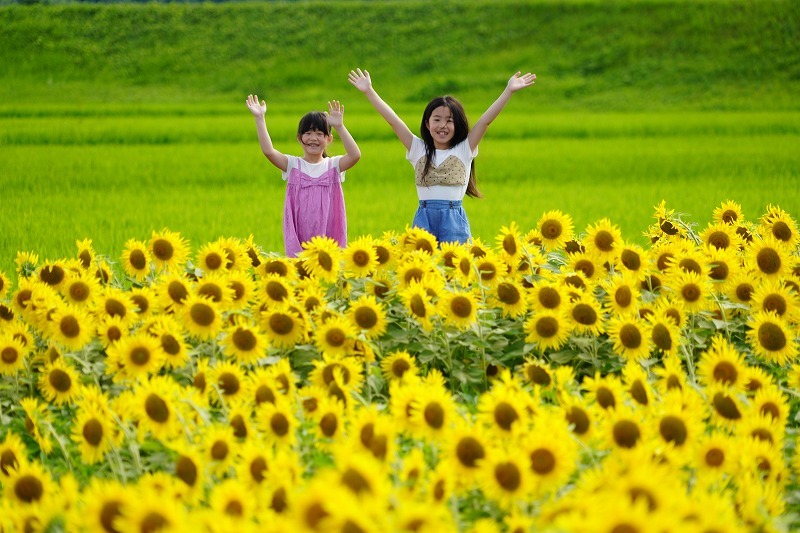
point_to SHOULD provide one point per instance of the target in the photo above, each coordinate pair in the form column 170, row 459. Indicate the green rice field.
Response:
column 110, row 174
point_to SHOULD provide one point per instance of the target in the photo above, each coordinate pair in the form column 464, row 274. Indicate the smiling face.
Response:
column 314, row 142
column 441, row 127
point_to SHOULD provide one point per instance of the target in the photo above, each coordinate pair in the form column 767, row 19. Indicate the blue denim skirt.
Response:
column 444, row 219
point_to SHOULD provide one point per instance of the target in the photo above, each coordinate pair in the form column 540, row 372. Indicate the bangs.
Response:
column 314, row 120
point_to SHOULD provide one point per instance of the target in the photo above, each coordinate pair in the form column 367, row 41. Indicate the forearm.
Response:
column 352, row 151
column 479, row 129
column 263, row 136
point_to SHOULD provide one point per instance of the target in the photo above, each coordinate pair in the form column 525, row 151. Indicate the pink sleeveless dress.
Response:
column 313, row 206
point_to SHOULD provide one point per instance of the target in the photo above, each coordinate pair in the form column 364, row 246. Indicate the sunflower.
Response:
column 201, row 317
column 137, row 262
column 768, row 257
column 328, row 421
column 103, row 501
column 622, row 296
column 12, row 454
column 284, row 326
column 136, row 355
column 321, row 257
column 770, row 402
column 729, row 212
column 581, row 418
column 399, row 366
column 94, row 432
column 774, row 296
column 274, row 290
column 637, row 384
column 722, row 364
column 491, row 268
column 171, row 336
column 277, row 265
column 551, row 451
column 71, row 327
column 761, row 427
column 169, row 250
column 360, row 257
column 53, row 274
column 413, row 267
column 418, row 304
column 503, row 411
column 459, row 309
column 554, row 228
column 254, row 463
column 548, row 329
column 325, row 370
column 215, row 286
column 692, row 290
column 59, row 382
column 13, row 354
column 211, row 257
column 172, row 290
column 227, row 380
column 725, row 405
column 629, row 337
column 772, row 338
column 509, row 243
column 29, row 484
column 510, row 298
column 242, row 289
column 607, row 391
column 463, row 267
column 678, row 427
column 433, row 412
column 603, row 239
column 417, row 239
column 148, row 510
column 780, row 224
column 155, row 407
column 332, row 336
column 38, row 422
column 368, row 316
column 663, row 333
column 386, row 253
column 232, row 499
column 26, row 263
column 504, row 476
column 277, row 423
column 756, row 378
column 371, row 431
column 547, row 295
column 244, row 341
column 115, row 302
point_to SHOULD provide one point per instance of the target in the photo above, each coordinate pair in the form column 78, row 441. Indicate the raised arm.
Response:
column 515, row 83
column 362, row 81
column 335, row 118
column 259, row 110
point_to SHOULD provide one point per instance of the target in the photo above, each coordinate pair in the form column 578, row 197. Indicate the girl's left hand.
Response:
column 335, row 114
column 518, row 81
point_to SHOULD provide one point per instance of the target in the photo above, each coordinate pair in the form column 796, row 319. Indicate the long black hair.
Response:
column 461, row 125
column 314, row 120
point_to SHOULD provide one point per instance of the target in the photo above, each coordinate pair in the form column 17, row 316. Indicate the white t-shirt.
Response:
column 313, row 170
column 442, row 192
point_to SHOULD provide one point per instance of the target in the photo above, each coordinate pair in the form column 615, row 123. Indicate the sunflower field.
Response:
column 552, row 380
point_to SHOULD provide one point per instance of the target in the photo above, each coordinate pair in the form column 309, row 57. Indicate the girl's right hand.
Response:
column 360, row 79
column 256, row 108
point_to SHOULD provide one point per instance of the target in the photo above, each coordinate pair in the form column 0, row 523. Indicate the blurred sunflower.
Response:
column 144, row 301
column 274, row 290
column 504, row 476
column 607, row 391
column 510, row 244
column 774, row 296
column 29, row 484
column 415, row 239
column 277, row 423
column 53, row 274
column 59, row 382
column 551, row 451
column 227, row 380
column 169, row 250
column 663, row 333
column 491, row 268
column 171, row 336
column 586, row 315
column 71, row 327
column 95, row 433
column 13, row 354
column 629, row 337
column 172, row 290
column 547, row 295
column 433, row 413
column 243, row 289
column 603, row 239
column 692, row 290
column 386, row 254
column 510, row 297
column 332, row 336
column 624, row 429
column 215, row 286
column 148, row 510
column 13, row 454
column 463, row 267
column 137, row 355
column 622, row 295
column 413, row 267
column 503, row 412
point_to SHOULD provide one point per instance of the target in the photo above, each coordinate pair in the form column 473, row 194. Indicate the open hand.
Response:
column 335, row 114
column 256, row 108
column 517, row 81
column 360, row 79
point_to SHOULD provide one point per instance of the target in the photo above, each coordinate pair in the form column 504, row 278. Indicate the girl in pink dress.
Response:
column 314, row 202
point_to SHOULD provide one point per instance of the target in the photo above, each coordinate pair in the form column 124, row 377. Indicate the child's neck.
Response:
column 313, row 158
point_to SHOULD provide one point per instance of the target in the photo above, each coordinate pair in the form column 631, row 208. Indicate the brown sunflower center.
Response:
column 771, row 337
column 469, row 451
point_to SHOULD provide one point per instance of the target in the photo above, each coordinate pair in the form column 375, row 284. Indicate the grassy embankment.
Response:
column 117, row 120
